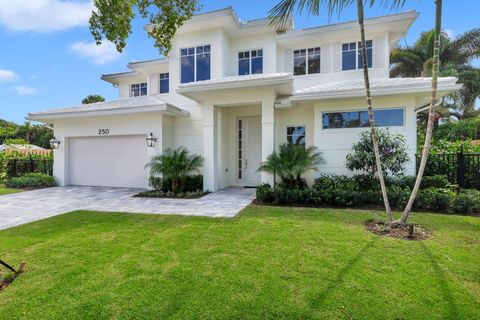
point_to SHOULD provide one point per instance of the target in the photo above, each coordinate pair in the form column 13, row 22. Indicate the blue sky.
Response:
column 48, row 60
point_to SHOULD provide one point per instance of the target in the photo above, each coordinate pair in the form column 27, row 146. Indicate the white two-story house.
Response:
column 233, row 91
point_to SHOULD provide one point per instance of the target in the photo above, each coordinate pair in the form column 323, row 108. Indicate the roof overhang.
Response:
column 281, row 83
column 115, row 78
column 111, row 108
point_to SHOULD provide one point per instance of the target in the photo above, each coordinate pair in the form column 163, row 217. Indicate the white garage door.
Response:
column 113, row 161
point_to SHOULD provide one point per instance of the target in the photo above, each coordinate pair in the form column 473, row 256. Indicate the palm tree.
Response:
column 291, row 162
column 280, row 14
column 175, row 165
column 431, row 113
column 93, row 98
column 458, row 54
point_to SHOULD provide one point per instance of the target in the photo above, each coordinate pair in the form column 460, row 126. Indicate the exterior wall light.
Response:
column 151, row 141
column 54, row 143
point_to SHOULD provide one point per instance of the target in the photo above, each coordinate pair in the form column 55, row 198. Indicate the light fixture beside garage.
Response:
column 54, row 143
column 151, row 141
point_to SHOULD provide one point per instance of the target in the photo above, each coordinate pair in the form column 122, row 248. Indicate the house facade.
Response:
column 233, row 91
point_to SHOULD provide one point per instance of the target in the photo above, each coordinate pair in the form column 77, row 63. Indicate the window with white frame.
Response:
column 359, row 119
column 296, row 135
column 352, row 55
column 195, row 64
column 306, row 61
column 138, row 89
column 250, row 62
column 164, row 82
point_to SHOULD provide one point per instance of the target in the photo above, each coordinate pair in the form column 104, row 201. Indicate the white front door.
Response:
column 249, row 155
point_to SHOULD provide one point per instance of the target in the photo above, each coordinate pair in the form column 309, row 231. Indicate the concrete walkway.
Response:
column 24, row 207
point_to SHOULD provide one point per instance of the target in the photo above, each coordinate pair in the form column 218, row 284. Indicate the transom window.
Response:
column 306, row 61
column 195, row 64
column 352, row 55
column 296, row 135
column 250, row 62
column 359, row 119
column 138, row 89
column 164, row 82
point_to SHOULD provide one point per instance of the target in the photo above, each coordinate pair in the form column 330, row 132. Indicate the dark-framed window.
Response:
column 195, row 64
column 138, row 89
column 296, row 135
column 306, row 61
column 164, row 82
column 359, row 119
column 250, row 62
column 351, row 50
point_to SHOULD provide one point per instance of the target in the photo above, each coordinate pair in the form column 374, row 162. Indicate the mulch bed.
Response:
column 400, row 232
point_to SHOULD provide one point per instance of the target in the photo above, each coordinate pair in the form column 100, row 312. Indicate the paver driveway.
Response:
column 23, row 207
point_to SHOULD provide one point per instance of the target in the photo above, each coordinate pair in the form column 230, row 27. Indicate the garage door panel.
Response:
column 115, row 161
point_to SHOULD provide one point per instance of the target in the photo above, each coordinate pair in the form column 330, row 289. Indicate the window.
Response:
column 296, row 135
column 164, row 82
column 359, row 119
column 306, row 61
column 195, row 64
column 352, row 50
column 250, row 62
column 138, row 89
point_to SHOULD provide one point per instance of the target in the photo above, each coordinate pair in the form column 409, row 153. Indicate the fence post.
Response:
column 461, row 168
column 31, row 164
column 14, row 174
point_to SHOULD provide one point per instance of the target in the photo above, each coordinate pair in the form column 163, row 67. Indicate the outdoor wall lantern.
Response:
column 54, row 143
column 151, row 141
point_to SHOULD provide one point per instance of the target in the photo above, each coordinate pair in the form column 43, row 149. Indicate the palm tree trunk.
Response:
column 361, row 22
column 431, row 113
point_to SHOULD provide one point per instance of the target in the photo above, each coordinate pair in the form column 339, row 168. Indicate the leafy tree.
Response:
column 175, row 164
column 37, row 134
column 113, row 20
column 457, row 56
column 393, row 153
column 459, row 130
column 291, row 162
column 93, row 98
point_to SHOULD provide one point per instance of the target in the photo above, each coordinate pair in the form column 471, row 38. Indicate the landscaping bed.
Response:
column 170, row 194
column 267, row 263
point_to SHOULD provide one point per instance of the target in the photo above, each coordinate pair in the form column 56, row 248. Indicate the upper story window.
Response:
column 296, row 135
column 352, row 55
column 138, row 89
column 359, row 119
column 250, row 62
column 195, row 64
column 164, row 82
column 306, row 61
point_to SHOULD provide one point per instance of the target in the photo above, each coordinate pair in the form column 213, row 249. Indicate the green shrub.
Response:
column 171, row 194
column 332, row 181
column 188, row 184
column 434, row 199
column 436, row 181
column 466, row 202
column 31, row 180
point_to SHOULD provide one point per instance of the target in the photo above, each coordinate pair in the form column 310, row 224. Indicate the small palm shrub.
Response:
column 291, row 162
column 174, row 165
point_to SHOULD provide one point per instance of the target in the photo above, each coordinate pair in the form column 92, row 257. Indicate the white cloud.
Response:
column 99, row 54
column 25, row 90
column 8, row 76
column 44, row 16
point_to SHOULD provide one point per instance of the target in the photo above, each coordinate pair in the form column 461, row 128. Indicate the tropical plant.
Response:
column 176, row 165
column 282, row 12
column 457, row 55
column 458, row 130
column 92, row 98
column 291, row 162
column 113, row 20
column 392, row 148
column 37, row 134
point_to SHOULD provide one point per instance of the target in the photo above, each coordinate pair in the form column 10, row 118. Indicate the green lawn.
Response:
column 4, row 190
column 268, row 263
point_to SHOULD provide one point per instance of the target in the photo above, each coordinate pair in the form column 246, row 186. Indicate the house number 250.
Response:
column 103, row 131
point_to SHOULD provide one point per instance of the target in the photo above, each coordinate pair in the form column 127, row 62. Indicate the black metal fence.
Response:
column 18, row 167
column 461, row 168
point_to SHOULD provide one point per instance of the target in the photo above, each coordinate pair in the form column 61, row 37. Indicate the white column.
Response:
column 210, row 168
column 60, row 162
column 268, row 135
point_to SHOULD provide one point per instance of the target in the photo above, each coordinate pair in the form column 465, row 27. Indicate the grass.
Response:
column 4, row 190
column 268, row 263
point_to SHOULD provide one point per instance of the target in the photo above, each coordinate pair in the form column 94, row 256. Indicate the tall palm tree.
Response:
column 280, row 14
column 458, row 54
column 431, row 113
column 92, row 98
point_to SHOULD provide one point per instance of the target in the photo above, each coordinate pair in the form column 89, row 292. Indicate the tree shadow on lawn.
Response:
column 339, row 279
column 445, row 290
